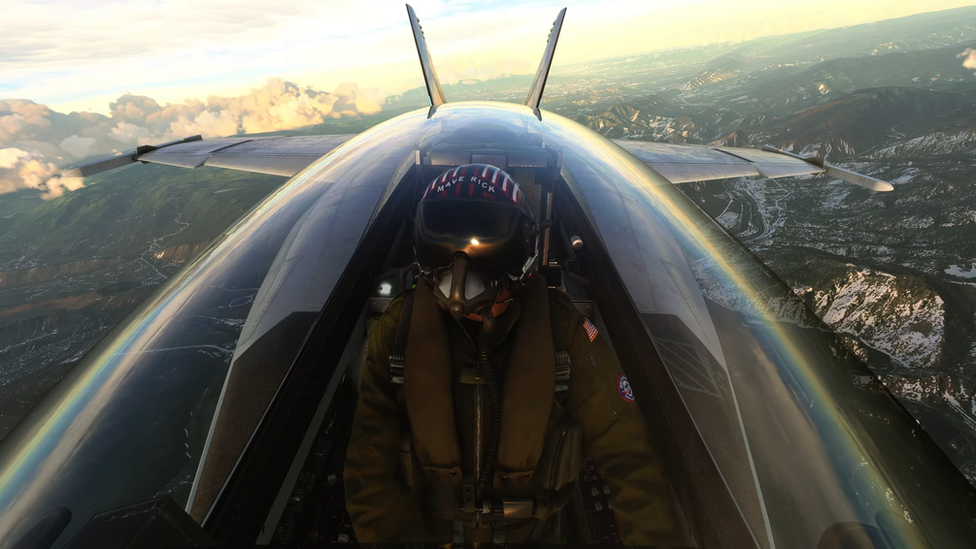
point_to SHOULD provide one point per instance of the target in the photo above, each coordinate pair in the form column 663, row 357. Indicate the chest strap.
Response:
column 398, row 354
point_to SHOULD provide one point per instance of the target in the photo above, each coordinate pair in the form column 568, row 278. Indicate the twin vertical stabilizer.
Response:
column 434, row 90
column 436, row 93
column 539, row 82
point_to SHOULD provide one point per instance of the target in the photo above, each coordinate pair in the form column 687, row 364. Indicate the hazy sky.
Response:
column 82, row 54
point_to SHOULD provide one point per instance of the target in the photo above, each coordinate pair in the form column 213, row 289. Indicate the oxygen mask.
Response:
column 462, row 291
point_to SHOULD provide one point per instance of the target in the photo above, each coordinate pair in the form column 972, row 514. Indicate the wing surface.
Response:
column 285, row 156
column 687, row 163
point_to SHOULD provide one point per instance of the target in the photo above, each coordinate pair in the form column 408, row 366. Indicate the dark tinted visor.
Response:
column 490, row 234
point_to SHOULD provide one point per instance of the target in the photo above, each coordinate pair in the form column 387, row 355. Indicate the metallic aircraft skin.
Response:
column 758, row 412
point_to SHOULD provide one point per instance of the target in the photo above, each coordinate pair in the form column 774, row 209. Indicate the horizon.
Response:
column 379, row 56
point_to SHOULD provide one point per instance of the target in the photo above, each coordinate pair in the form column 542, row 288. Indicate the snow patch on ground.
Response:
column 917, row 222
column 912, row 391
column 728, row 219
column 906, row 177
column 955, row 270
column 836, row 195
column 955, row 405
column 867, row 303
column 931, row 144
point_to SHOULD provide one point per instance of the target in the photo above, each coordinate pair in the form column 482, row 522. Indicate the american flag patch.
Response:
column 591, row 330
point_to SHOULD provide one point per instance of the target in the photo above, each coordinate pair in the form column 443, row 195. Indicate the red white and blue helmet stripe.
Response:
column 476, row 181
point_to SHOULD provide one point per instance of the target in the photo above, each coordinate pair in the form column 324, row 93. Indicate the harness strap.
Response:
column 398, row 353
column 563, row 363
column 458, row 531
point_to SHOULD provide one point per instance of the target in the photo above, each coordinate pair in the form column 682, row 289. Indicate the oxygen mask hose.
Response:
column 459, row 276
column 488, row 320
column 495, row 416
column 491, row 453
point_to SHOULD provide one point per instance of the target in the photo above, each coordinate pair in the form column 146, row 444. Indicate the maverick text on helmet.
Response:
column 475, row 236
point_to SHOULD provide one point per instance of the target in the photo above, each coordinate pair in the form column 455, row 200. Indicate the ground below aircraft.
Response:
column 775, row 435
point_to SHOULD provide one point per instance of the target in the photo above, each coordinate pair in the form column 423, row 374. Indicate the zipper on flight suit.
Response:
column 478, row 419
column 478, row 443
column 559, row 452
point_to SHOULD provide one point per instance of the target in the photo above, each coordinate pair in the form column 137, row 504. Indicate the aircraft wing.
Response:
column 285, row 156
column 687, row 163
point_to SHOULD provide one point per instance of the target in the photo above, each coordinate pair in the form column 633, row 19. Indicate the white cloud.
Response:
column 57, row 186
column 127, row 132
column 970, row 59
column 10, row 157
column 35, row 138
column 20, row 169
column 79, row 147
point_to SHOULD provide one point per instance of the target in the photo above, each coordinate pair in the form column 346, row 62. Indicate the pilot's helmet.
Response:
column 478, row 210
column 475, row 236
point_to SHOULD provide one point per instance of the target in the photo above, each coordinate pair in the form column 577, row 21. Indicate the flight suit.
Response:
column 382, row 506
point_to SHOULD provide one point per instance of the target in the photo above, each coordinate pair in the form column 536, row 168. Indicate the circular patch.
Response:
column 623, row 386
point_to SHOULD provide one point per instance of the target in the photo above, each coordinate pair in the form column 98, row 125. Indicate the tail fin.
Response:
column 539, row 83
column 434, row 90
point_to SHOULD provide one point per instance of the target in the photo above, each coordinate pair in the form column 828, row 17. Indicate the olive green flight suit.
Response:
column 384, row 509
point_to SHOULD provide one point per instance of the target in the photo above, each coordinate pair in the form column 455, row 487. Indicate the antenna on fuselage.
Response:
column 539, row 83
column 434, row 90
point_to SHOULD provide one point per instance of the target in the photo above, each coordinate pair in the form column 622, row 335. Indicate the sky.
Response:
column 83, row 54
column 82, row 78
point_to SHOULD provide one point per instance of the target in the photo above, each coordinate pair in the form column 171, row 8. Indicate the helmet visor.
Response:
column 491, row 235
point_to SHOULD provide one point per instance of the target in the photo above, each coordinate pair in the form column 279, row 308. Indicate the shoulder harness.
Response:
column 398, row 353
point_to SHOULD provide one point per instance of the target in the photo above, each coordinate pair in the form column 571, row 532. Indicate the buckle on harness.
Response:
column 509, row 508
column 516, row 508
column 563, row 364
column 397, row 359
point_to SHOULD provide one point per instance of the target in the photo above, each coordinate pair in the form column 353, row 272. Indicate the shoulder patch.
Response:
column 623, row 386
column 591, row 330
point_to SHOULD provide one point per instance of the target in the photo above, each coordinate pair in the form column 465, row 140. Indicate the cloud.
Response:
column 36, row 143
column 79, row 147
column 133, row 108
column 10, row 157
column 970, row 59
column 126, row 132
column 20, row 169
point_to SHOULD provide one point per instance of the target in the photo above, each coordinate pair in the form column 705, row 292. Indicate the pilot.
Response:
column 483, row 390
